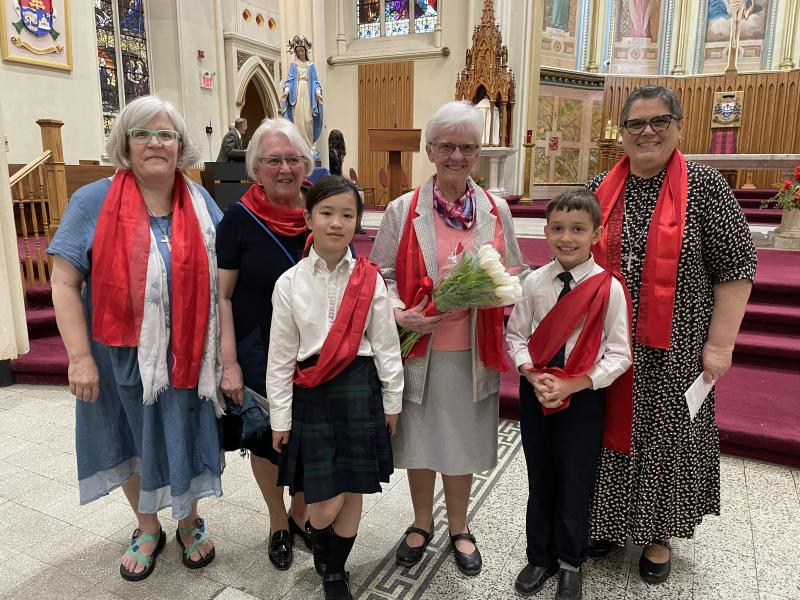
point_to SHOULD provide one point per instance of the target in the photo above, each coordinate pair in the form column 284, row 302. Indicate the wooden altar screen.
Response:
column 769, row 114
column 385, row 99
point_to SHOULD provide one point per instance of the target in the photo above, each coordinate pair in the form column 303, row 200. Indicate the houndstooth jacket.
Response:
column 485, row 382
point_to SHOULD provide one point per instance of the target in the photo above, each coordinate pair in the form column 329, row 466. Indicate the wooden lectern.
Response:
column 394, row 141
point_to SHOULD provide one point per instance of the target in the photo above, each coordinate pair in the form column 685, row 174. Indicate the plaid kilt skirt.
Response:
column 339, row 440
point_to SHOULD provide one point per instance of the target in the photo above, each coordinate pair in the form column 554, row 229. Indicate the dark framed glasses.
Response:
column 657, row 124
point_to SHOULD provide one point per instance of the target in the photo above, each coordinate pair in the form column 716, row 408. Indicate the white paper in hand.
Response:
column 696, row 394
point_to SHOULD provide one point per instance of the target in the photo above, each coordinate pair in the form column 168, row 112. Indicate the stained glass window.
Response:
column 396, row 17
column 376, row 18
column 121, row 55
column 368, row 14
column 425, row 16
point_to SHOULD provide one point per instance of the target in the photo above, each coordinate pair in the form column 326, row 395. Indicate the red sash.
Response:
column 413, row 284
column 120, row 251
column 342, row 342
column 587, row 300
column 663, row 250
column 282, row 220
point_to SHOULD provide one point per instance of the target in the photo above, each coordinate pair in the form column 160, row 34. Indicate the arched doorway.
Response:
column 257, row 96
column 253, row 109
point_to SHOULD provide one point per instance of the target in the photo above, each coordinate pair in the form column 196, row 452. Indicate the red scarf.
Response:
column 587, row 300
column 413, row 284
column 120, row 253
column 342, row 342
column 663, row 250
column 282, row 220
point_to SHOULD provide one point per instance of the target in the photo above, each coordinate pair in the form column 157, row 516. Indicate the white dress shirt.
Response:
column 305, row 302
column 540, row 292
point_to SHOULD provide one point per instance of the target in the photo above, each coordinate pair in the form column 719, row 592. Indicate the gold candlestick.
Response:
column 527, row 180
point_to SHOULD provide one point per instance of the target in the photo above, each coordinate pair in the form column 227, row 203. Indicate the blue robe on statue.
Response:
column 288, row 108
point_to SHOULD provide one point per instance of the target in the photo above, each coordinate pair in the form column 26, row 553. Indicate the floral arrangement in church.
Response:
column 475, row 280
column 788, row 197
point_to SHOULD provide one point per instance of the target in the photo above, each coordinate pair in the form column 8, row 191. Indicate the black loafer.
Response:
column 531, row 579
column 570, row 585
column 600, row 548
column 468, row 564
column 408, row 556
column 655, row 573
column 336, row 586
column 303, row 532
column 280, row 550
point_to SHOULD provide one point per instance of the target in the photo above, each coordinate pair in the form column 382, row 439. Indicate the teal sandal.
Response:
column 149, row 561
column 198, row 531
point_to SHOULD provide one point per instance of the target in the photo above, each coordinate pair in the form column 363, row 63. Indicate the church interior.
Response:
column 550, row 78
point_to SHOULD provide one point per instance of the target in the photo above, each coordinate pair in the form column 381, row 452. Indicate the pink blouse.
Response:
column 453, row 332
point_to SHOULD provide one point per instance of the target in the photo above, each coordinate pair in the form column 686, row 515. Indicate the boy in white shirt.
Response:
column 570, row 338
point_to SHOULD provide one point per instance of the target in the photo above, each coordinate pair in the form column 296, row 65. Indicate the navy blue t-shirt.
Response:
column 243, row 245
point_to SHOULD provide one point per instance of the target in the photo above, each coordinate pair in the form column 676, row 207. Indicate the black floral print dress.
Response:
column 671, row 479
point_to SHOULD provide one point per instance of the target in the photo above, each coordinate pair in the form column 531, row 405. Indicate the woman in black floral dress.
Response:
column 683, row 217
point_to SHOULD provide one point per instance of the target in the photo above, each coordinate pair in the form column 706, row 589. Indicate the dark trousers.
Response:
column 562, row 450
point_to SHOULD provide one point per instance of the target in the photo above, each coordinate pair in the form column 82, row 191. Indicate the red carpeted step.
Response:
column 39, row 295
column 761, row 194
column 751, row 422
column 41, row 322
column 46, row 362
column 777, row 348
column 763, row 216
column 753, row 203
column 764, row 312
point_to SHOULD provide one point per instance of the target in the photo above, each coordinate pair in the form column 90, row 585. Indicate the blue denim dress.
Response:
column 174, row 444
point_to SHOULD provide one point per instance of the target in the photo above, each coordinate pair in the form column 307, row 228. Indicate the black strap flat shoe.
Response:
column 280, row 550
column 570, row 585
column 469, row 564
column 655, row 573
column 408, row 556
column 531, row 579
column 336, row 586
column 303, row 532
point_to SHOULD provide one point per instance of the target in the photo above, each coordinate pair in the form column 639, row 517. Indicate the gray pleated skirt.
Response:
column 448, row 433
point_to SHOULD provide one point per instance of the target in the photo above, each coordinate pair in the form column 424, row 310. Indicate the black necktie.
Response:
column 560, row 356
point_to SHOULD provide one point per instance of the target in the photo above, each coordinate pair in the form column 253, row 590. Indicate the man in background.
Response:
column 232, row 140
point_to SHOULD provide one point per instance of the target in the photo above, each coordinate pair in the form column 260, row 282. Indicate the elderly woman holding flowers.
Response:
column 452, row 372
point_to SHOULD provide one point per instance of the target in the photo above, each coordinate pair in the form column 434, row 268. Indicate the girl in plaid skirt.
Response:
column 334, row 379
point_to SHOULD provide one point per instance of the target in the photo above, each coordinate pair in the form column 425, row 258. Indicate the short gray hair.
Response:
column 239, row 122
column 456, row 114
column 650, row 92
column 139, row 113
column 273, row 127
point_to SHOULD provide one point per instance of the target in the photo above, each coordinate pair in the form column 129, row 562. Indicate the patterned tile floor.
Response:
column 52, row 548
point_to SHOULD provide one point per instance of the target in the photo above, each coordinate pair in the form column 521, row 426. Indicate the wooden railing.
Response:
column 39, row 197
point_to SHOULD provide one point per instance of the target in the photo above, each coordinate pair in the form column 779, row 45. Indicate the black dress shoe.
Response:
column 600, row 548
column 570, row 585
column 654, row 573
column 303, row 532
column 468, row 564
column 280, row 550
column 408, row 556
column 336, row 586
column 531, row 579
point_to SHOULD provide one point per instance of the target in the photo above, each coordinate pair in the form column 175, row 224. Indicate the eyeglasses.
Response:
column 274, row 162
column 164, row 136
column 657, row 124
column 466, row 149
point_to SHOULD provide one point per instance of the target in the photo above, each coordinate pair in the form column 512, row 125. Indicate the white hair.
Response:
column 273, row 127
column 455, row 115
column 139, row 113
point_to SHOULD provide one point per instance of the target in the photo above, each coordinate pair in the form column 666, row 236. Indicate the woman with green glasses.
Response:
column 135, row 292
column 452, row 377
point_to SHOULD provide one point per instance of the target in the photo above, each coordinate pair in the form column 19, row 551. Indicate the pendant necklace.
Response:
column 165, row 239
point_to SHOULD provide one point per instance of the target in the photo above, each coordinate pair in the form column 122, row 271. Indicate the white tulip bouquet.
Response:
column 476, row 280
